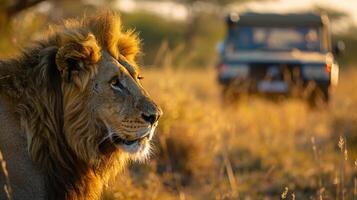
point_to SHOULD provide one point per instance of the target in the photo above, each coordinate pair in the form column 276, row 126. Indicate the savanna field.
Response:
column 205, row 148
column 254, row 149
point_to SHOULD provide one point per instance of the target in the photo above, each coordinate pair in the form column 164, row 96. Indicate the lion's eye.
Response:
column 140, row 77
column 117, row 85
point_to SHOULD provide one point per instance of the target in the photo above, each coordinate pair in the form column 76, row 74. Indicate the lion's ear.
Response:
column 129, row 45
column 76, row 57
column 48, row 60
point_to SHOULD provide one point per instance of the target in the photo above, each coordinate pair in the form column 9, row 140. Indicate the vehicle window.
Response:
column 276, row 38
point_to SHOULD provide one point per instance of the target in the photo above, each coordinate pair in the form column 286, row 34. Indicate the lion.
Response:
column 73, row 111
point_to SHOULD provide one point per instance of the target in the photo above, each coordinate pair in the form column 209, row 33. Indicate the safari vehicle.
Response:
column 278, row 54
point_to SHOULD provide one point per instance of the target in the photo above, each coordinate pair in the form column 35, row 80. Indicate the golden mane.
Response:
column 48, row 108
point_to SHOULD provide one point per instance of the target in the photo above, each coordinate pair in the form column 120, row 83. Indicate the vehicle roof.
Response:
column 273, row 19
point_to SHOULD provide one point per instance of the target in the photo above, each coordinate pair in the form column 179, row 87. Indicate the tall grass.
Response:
column 255, row 149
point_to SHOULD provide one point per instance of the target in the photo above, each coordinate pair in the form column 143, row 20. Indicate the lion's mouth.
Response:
column 133, row 146
column 120, row 141
column 116, row 141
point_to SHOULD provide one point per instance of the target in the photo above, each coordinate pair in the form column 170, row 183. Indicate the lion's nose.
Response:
column 151, row 118
column 150, row 112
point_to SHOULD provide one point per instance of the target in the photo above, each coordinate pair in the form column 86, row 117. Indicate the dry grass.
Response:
column 254, row 150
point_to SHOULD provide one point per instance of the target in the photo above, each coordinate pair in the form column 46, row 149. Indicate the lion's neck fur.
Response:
column 44, row 111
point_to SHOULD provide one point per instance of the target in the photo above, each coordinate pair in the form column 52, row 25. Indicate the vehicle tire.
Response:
column 229, row 96
column 319, row 97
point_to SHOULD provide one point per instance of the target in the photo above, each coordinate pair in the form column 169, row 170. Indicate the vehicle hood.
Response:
column 286, row 57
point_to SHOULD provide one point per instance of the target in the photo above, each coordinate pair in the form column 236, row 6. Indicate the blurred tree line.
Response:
column 194, row 40
column 348, row 37
column 22, row 20
column 166, row 42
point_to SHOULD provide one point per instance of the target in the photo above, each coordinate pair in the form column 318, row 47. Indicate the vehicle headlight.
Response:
column 317, row 72
column 240, row 70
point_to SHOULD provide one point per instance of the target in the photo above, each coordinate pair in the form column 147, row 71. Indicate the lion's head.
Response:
column 104, row 105
column 80, row 100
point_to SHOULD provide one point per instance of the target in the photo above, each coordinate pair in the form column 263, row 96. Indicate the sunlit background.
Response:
column 204, row 148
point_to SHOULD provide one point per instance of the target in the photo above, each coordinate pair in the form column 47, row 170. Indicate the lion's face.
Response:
column 106, row 109
column 123, row 106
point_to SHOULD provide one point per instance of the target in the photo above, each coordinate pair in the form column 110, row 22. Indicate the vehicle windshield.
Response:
column 275, row 38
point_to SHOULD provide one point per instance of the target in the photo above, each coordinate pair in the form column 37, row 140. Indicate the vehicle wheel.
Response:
column 319, row 97
column 229, row 96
